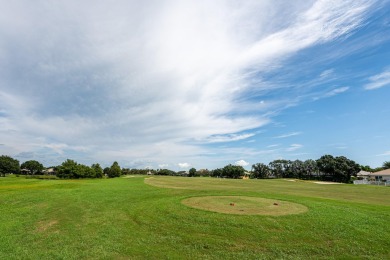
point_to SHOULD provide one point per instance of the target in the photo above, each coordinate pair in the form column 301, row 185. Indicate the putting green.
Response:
column 242, row 205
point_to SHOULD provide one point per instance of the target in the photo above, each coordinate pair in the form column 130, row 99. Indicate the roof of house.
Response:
column 363, row 173
column 381, row 173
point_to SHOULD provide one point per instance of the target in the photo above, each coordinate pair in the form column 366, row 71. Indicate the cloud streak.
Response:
column 379, row 81
column 288, row 135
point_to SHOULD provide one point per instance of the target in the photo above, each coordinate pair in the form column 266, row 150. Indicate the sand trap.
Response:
column 242, row 205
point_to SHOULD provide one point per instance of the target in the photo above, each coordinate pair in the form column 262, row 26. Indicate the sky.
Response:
column 181, row 84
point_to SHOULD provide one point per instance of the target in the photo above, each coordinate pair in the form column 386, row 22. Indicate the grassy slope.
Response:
column 125, row 218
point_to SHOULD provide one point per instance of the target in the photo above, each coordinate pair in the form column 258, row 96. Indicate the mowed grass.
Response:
column 244, row 205
column 134, row 218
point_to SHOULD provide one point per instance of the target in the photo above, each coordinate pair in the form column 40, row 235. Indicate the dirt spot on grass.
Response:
column 43, row 226
column 242, row 205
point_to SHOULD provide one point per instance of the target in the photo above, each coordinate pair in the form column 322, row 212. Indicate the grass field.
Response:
column 138, row 218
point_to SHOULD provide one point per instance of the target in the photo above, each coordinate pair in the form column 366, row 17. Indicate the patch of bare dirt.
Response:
column 42, row 226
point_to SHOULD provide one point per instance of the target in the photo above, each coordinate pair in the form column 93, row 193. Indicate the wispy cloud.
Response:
column 336, row 91
column 294, row 147
column 326, row 73
column 384, row 154
column 332, row 93
column 378, row 81
column 227, row 138
column 288, row 135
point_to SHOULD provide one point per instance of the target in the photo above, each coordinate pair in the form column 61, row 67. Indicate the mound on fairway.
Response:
column 243, row 205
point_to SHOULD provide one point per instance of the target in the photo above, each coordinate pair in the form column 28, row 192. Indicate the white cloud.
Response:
column 384, row 154
column 378, row 81
column 332, row 93
column 163, row 166
column 288, row 135
column 184, row 165
column 227, row 138
column 294, row 147
column 326, row 73
column 141, row 81
column 241, row 163
column 336, row 91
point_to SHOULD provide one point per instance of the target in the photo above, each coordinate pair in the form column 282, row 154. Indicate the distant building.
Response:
column 363, row 175
column 373, row 178
column 381, row 176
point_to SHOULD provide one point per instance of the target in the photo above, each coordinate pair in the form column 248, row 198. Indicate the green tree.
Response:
column 326, row 166
column 345, row 168
column 98, row 170
column 106, row 171
column 339, row 169
column 67, row 170
column 280, row 168
column 386, row 165
column 366, row 168
column 233, row 171
column 115, row 170
column 217, row 173
column 33, row 166
column 8, row 165
column 310, row 169
column 192, row 172
column 260, row 171
column 165, row 172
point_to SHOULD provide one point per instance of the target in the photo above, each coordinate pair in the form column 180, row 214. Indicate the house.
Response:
column 383, row 176
column 246, row 175
column 374, row 178
column 49, row 171
column 363, row 175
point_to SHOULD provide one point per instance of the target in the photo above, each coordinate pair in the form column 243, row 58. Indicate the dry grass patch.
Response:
column 243, row 205
column 42, row 226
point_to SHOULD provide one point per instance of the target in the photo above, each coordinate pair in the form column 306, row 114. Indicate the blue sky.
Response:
column 179, row 84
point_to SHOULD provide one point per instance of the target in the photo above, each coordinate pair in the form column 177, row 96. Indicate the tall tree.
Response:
column 32, row 166
column 233, row 171
column 386, row 165
column 280, row 168
column 297, row 169
column 345, row 168
column 8, row 165
column 260, row 171
column 192, row 172
column 339, row 169
column 67, row 169
column 310, row 169
column 98, row 170
column 217, row 173
column 326, row 165
column 115, row 170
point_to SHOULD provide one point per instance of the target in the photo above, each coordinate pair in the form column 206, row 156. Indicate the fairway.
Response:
column 155, row 218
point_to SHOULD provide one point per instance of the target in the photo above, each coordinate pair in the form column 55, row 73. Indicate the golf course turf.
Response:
column 243, row 205
column 153, row 218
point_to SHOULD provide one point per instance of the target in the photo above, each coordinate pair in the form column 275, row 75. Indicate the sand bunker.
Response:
column 242, row 205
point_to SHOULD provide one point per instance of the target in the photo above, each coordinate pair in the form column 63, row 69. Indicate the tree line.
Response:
column 326, row 168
